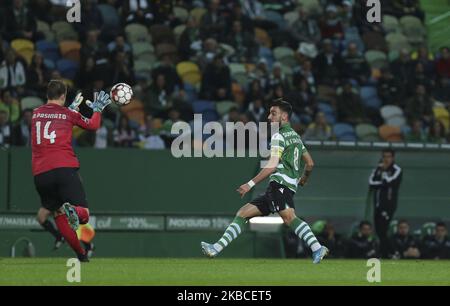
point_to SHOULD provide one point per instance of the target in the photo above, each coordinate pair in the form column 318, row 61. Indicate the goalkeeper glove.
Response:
column 76, row 102
column 101, row 100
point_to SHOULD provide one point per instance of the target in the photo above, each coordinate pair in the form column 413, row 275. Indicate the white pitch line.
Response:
column 439, row 18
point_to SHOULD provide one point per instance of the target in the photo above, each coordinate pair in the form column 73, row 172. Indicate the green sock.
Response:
column 232, row 232
column 302, row 229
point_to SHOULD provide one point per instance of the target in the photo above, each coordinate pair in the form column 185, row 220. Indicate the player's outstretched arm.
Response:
column 309, row 164
column 261, row 176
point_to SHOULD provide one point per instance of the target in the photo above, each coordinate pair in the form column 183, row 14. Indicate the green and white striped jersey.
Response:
column 288, row 146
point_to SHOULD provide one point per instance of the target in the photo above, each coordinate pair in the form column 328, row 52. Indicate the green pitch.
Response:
column 152, row 271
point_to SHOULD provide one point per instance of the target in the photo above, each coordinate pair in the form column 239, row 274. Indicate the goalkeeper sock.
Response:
column 232, row 232
column 83, row 214
column 69, row 234
column 302, row 229
column 49, row 227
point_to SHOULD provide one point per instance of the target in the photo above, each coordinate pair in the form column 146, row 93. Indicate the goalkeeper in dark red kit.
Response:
column 55, row 165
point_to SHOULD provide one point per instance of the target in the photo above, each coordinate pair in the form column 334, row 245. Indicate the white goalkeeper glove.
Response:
column 76, row 102
column 101, row 100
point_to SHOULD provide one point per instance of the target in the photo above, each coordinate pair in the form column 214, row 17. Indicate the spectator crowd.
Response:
column 346, row 78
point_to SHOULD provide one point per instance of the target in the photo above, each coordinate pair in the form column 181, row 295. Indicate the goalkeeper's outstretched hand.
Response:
column 101, row 100
column 76, row 102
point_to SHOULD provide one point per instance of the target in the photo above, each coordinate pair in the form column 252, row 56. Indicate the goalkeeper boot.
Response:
column 209, row 250
column 72, row 216
column 320, row 254
column 83, row 257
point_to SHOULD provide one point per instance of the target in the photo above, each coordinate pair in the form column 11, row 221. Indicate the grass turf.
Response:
column 171, row 271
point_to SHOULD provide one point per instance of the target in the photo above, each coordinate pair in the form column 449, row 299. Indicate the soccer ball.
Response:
column 121, row 94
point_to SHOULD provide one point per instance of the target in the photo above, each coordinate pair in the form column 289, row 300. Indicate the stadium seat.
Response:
column 399, row 121
column 30, row 102
column 367, row 132
column 285, row 55
column 389, row 111
column 390, row 23
column 60, row 26
column 397, row 41
column 197, row 13
column 178, row 31
column 42, row 27
column 239, row 73
column 376, row 58
column 136, row 32
column 237, row 68
column 390, row 133
column 263, row 38
column 291, row 17
column 48, row 49
column 143, row 66
column 393, row 55
column 189, row 72
column 110, row 16
column 344, row 132
column 24, row 48
column 181, row 13
column 67, row 68
column 66, row 35
column 201, row 106
column 139, row 48
column 70, row 49
column 413, row 29
column 369, row 97
column 224, row 107
column 313, row 7
column 325, row 108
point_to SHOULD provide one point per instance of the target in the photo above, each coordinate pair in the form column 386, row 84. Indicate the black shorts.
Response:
column 276, row 198
column 58, row 186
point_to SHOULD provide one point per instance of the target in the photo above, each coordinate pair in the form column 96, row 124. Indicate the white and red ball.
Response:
column 121, row 94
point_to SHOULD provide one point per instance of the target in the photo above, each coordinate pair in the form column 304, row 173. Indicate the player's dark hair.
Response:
column 389, row 150
column 56, row 89
column 283, row 105
column 441, row 224
column 365, row 222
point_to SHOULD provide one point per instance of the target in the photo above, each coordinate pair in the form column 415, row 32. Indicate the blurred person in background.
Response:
column 10, row 105
column 124, row 135
column 332, row 240
column 403, row 244
column 417, row 133
column 22, row 131
column 436, row 133
column 319, row 129
column 362, row 244
column 385, row 181
column 437, row 246
column 5, row 131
